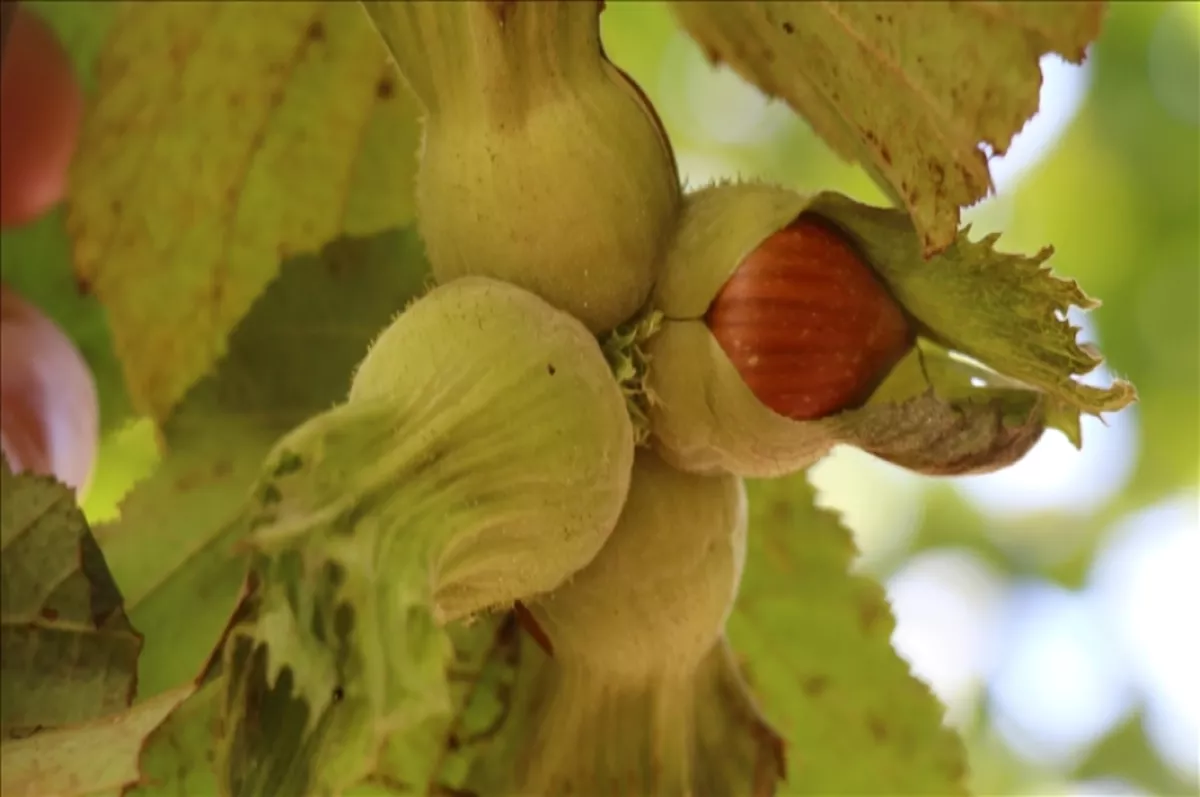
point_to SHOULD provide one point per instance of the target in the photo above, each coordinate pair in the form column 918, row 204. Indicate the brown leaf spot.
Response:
column 957, row 771
column 315, row 31
column 815, row 685
column 178, row 53
column 502, row 9
column 870, row 611
column 49, row 613
column 937, row 172
column 789, row 28
column 83, row 286
column 886, row 154
column 878, row 728
column 385, row 88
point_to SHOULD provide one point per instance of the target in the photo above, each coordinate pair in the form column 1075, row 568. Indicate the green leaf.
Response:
column 292, row 357
column 814, row 640
column 176, row 756
column 67, row 651
column 910, row 91
column 223, row 138
column 100, row 757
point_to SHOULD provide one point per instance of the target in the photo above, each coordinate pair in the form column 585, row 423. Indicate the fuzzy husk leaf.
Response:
column 278, row 743
column 483, row 456
column 1005, row 310
column 908, row 90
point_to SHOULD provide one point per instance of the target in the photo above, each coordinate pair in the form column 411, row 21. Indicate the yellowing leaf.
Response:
column 909, row 90
column 98, row 758
column 67, row 651
column 814, row 640
column 224, row 137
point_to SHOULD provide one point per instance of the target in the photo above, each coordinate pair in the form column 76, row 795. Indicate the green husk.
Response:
column 641, row 695
column 482, row 457
column 513, row 90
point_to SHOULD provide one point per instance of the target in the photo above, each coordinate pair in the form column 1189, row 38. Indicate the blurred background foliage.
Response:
column 1051, row 606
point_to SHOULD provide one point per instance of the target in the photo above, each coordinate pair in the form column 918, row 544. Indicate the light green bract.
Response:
column 482, row 457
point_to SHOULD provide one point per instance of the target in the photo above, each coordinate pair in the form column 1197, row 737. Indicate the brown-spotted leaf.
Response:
column 68, row 653
column 909, row 90
column 222, row 138
column 814, row 641
column 96, row 758
column 1005, row 310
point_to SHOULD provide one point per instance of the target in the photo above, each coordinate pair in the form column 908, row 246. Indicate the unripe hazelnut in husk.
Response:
column 483, row 455
column 542, row 164
column 640, row 672
column 657, row 595
column 484, row 427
